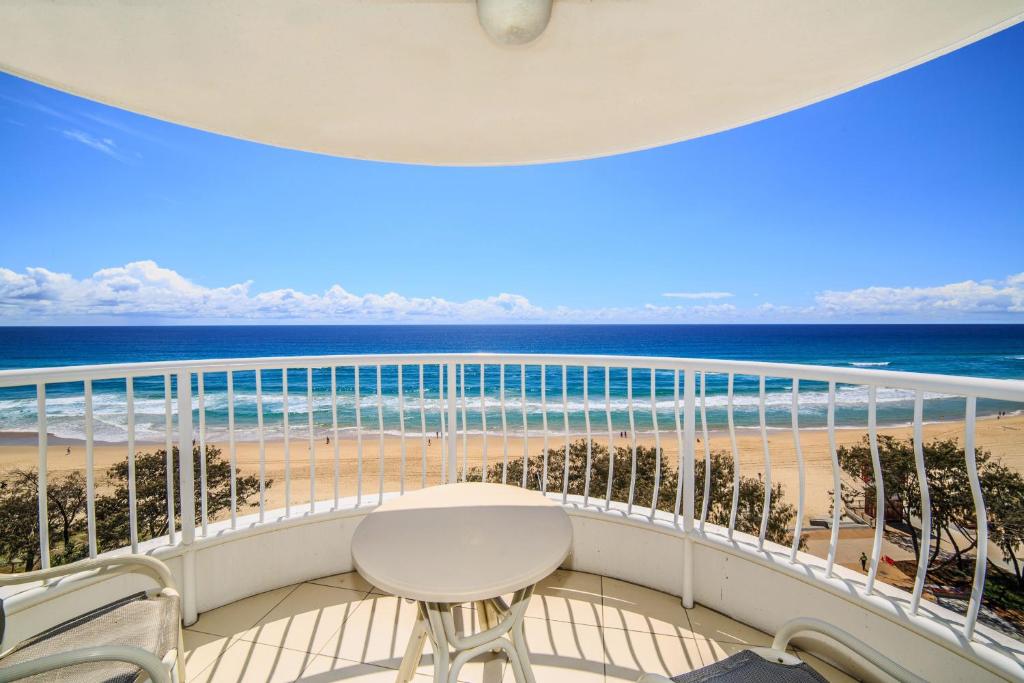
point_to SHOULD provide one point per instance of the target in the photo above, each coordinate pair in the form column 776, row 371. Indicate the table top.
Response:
column 461, row 542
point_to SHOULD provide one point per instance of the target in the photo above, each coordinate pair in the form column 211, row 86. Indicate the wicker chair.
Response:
column 136, row 636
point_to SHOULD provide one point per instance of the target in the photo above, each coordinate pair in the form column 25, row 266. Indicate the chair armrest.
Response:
column 147, row 661
column 142, row 564
column 808, row 625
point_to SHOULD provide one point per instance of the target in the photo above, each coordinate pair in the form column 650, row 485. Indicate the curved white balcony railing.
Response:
column 511, row 399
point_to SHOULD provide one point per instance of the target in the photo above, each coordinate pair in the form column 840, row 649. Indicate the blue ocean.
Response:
column 995, row 351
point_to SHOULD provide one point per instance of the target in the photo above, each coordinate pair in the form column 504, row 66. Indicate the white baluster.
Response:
column 42, row 486
column 926, row 503
column 795, row 418
column 544, row 424
column 203, row 492
column 380, row 439
column 133, row 516
column 876, row 546
column 586, row 422
column 401, row 432
column 657, row 442
column 837, row 482
column 565, row 429
column 766, row 508
column 504, row 426
column 735, row 461
column 90, row 471
column 359, row 439
column 483, row 423
column 262, row 444
column 287, row 445
column 312, row 440
column 334, row 432
column 526, row 424
column 706, row 504
column 632, row 438
column 232, row 454
column 980, row 517
column 423, row 432
column 465, row 423
column 679, row 448
column 611, row 437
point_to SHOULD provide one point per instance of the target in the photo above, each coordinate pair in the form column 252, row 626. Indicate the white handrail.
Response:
column 794, row 627
column 999, row 389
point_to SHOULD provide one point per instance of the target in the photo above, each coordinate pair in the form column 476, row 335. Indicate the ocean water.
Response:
column 975, row 350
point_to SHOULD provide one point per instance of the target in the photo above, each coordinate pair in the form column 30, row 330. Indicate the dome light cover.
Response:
column 514, row 22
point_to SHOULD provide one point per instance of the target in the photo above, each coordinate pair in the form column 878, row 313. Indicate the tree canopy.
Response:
column 953, row 513
column 66, row 506
column 751, row 501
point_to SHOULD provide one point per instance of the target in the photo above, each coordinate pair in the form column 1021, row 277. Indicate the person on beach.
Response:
column 68, row 453
column 328, row 441
column 863, row 561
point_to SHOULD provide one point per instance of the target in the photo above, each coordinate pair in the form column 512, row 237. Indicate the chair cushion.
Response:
column 749, row 667
column 149, row 623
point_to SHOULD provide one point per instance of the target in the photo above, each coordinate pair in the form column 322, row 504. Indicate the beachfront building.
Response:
column 669, row 568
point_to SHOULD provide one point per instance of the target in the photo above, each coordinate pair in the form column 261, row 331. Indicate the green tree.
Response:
column 646, row 459
column 19, row 514
column 19, row 530
column 112, row 526
column 751, row 501
column 1004, row 501
column 750, row 505
column 66, row 505
column 899, row 479
column 952, row 501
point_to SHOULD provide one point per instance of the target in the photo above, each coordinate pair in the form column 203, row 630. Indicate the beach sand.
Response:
column 1003, row 437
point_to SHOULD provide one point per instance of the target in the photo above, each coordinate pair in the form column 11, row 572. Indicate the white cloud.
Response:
column 36, row 106
column 944, row 301
column 144, row 291
column 698, row 295
column 105, row 145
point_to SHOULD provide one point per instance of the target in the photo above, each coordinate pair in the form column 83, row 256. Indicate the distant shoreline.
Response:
column 348, row 434
column 382, row 461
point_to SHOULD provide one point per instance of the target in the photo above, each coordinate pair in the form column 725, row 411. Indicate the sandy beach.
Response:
column 1003, row 437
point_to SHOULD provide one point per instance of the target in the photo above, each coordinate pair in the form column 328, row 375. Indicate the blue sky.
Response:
column 900, row 201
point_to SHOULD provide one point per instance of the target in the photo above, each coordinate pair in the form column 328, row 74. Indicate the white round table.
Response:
column 457, row 543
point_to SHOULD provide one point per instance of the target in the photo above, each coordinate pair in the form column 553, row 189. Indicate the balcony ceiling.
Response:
column 419, row 81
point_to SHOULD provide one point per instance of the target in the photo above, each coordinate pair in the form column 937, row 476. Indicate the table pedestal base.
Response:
column 501, row 631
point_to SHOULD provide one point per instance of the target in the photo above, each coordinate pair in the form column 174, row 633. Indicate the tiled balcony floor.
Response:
column 580, row 627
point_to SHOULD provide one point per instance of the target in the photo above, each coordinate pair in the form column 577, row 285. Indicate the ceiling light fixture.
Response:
column 514, row 22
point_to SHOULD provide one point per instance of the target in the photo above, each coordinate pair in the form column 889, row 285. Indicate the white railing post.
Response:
column 186, row 475
column 687, row 468
column 186, row 484
column 450, row 472
column 981, row 554
column 689, row 432
column 42, row 491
